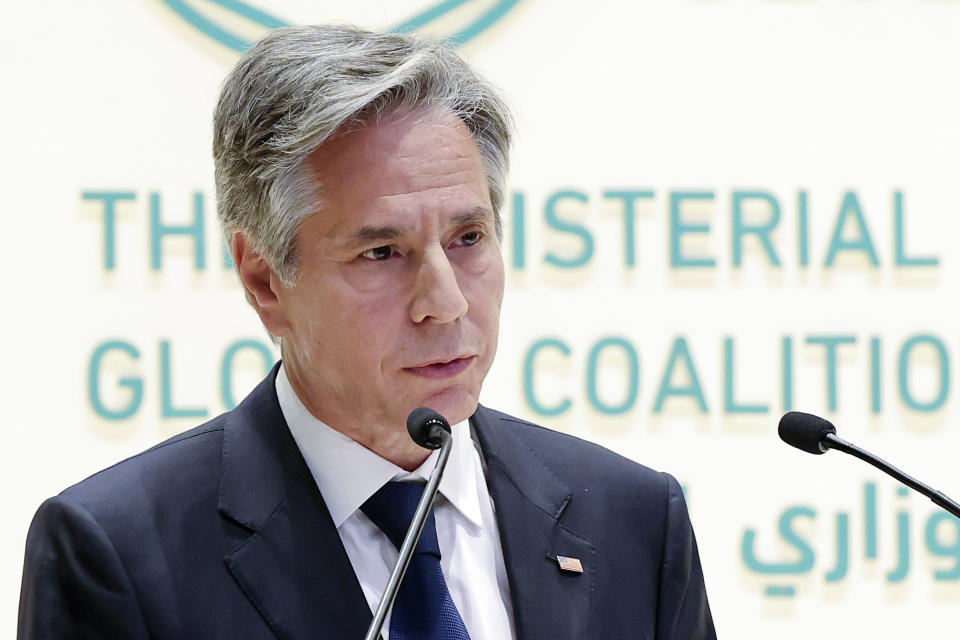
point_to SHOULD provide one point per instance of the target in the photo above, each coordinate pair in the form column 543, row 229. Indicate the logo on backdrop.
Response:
column 236, row 24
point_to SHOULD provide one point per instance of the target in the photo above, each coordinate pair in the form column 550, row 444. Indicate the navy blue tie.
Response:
column 423, row 609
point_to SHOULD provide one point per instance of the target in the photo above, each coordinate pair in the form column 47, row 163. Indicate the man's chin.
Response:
column 456, row 405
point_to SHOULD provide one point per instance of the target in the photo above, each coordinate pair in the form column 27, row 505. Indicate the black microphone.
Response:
column 815, row 435
column 427, row 427
column 430, row 430
column 805, row 431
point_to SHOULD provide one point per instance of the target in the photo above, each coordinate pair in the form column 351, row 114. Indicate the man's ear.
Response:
column 261, row 284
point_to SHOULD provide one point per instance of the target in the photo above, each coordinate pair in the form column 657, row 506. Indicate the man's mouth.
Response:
column 439, row 370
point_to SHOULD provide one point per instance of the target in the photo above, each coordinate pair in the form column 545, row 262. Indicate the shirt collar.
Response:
column 347, row 473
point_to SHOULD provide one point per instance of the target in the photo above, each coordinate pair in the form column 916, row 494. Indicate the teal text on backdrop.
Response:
column 566, row 213
column 215, row 29
column 941, row 539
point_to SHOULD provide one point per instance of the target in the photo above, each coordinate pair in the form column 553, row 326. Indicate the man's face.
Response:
column 401, row 279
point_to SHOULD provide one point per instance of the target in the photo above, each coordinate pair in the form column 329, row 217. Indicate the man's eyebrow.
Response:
column 374, row 233
column 474, row 216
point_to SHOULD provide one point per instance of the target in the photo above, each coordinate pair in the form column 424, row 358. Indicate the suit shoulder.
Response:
column 573, row 456
column 179, row 461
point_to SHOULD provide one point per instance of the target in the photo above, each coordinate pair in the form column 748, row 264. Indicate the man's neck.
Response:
column 393, row 444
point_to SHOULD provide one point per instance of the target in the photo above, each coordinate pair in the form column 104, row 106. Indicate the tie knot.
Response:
column 392, row 508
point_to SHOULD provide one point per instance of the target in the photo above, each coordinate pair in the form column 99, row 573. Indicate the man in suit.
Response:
column 359, row 178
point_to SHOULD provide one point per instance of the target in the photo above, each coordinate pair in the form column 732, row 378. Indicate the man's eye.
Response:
column 378, row 253
column 471, row 238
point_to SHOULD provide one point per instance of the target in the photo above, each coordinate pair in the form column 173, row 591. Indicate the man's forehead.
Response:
column 381, row 136
column 398, row 174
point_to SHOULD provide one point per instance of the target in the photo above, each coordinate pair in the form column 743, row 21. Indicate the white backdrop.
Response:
column 790, row 169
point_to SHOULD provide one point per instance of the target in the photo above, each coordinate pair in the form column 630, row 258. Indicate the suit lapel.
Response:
column 530, row 501
column 293, row 567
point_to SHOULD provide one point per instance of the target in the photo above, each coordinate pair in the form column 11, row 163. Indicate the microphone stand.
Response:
column 410, row 541
column 831, row 441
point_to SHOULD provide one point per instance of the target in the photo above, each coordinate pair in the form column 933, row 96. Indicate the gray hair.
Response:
column 299, row 86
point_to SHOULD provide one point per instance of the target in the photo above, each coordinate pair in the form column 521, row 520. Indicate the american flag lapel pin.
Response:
column 572, row 565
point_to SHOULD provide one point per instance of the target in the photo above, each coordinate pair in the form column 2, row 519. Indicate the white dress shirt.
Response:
column 347, row 474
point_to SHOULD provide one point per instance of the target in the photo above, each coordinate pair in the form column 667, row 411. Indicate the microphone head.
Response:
column 805, row 431
column 427, row 427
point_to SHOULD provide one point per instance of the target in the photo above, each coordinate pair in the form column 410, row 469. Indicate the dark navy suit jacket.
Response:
column 221, row 532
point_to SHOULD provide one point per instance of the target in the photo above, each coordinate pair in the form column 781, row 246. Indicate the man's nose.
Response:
column 437, row 293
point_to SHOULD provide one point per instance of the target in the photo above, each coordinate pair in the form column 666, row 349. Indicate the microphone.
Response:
column 805, row 431
column 430, row 430
column 427, row 427
column 816, row 435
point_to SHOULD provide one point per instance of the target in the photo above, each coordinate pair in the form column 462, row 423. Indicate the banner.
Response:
column 718, row 211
